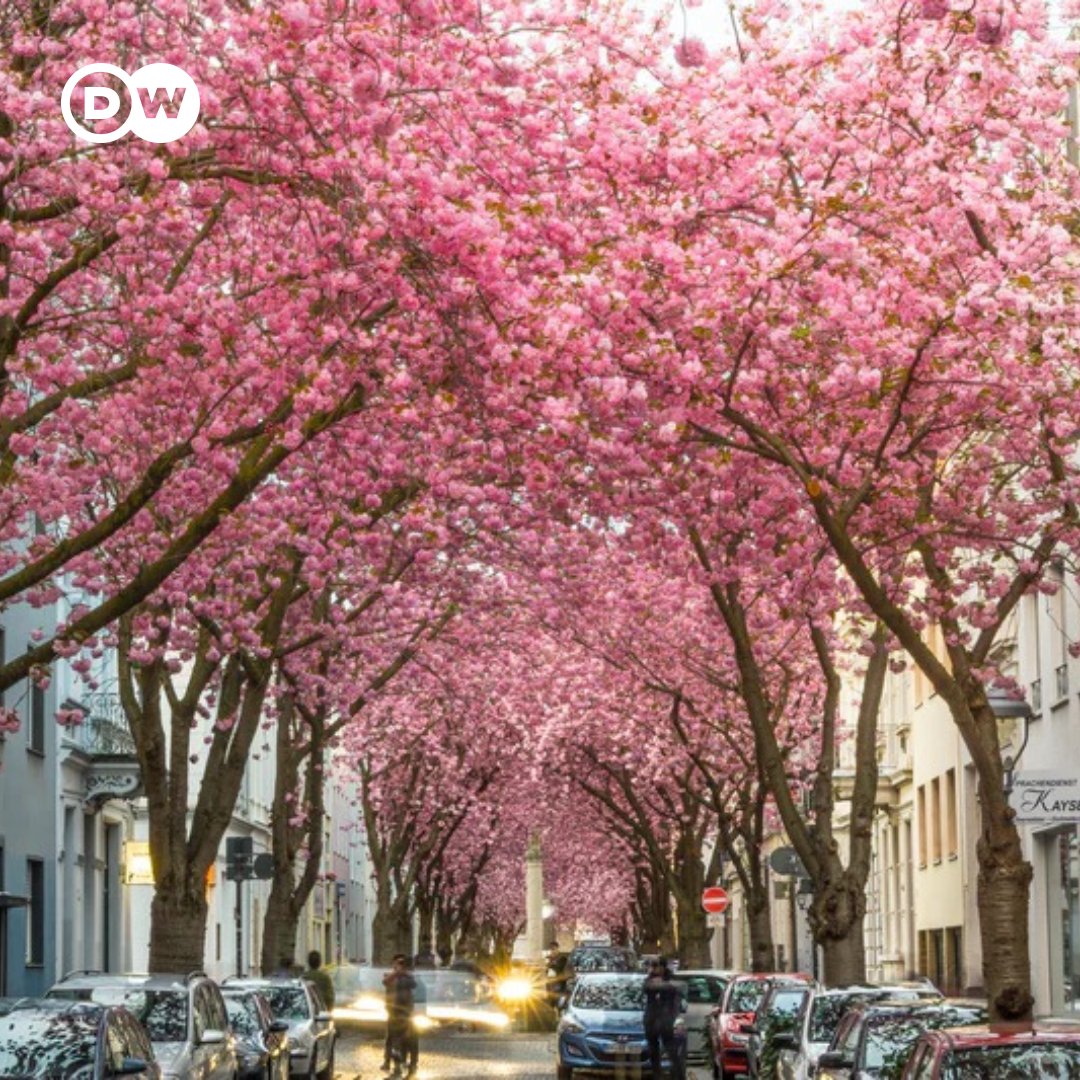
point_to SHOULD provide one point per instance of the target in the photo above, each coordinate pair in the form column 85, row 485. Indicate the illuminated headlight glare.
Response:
column 422, row 1023
column 514, row 988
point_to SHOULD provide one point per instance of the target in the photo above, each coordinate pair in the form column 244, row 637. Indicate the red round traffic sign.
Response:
column 714, row 900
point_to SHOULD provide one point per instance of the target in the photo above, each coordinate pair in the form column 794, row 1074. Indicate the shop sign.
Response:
column 1046, row 796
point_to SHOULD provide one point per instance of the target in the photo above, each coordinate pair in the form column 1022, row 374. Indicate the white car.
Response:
column 184, row 1016
column 312, row 1034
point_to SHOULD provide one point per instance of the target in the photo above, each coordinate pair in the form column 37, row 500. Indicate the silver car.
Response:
column 312, row 1034
column 184, row 1016
column 703, row 991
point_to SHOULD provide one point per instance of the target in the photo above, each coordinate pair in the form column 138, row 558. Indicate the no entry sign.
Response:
column 714, row 900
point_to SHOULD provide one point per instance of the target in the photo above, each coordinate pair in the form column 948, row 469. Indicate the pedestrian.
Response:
column 400, row 987
column 663, row 1004
column 412, row 1045
column 285, row 968
column 317, row 974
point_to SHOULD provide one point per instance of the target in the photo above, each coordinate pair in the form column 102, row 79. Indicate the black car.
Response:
column 74, row 1040
column 262, row 1043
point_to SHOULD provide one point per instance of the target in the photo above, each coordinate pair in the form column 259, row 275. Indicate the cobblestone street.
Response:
column 462, row 1057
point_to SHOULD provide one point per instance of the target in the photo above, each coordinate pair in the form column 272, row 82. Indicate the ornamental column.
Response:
column 534, row 899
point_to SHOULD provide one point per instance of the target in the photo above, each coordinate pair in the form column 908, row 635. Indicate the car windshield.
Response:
column 602, row 960
column 888, row 1045
column 785, row 1004
column 889, row 1039
column 287, row 1002
column 701, row 989
column 614, row 995
column 826, row 1013
column 243, row 1016
column 57, row 1051
column 746, row 995
column 164, row 1013
column 1033, row 1061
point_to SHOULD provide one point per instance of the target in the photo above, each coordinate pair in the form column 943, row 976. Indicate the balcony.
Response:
column 111, row 769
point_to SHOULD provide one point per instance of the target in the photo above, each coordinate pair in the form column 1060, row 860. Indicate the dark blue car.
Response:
column 603, row 1028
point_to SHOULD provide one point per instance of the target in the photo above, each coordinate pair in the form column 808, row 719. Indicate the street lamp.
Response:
column 1006, row 706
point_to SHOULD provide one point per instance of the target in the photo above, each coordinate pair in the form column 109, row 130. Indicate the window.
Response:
column 935, row 819
column 923, row 843
column 952, row 843
column 35, row 915
column 35, row 735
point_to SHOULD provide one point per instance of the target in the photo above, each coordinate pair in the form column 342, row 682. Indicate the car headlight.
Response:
column 569, row 1026
column 250, row 1060
column 514, row 988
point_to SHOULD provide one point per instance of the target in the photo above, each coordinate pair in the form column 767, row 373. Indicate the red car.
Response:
column 999, row 1050
column 728, row 1024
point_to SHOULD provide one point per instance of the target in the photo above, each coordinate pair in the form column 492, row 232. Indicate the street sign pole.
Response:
column 239, row 928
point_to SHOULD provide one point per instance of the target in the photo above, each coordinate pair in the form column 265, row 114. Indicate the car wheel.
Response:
column 327, row 1071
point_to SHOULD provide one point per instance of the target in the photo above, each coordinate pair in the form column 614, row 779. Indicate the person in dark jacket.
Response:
column 663, row 1004
column 400, row 987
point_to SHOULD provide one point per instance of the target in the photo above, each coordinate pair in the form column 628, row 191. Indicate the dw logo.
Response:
column 163, row 103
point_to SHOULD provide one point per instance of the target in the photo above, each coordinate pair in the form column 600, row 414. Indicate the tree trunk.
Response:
column 280, row 922
column 837, row 915
column 759, row 919
column 695, row 934
column 177, row 929
column 1003, row 896
column 426, row 936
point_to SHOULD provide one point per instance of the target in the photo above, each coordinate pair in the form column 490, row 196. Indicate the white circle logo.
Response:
column 163, row 103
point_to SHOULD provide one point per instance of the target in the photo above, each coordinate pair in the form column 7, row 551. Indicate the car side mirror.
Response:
column 212, row 1037
column 562, row 1002
column 834, row 1059
column 130, row 1066
column 324, row 1017
column 279, row 1026
column 785, row 1041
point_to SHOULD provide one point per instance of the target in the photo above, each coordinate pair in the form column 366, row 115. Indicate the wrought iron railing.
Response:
column 106, row 728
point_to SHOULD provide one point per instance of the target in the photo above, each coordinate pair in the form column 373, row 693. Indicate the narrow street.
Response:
column 462, row 1057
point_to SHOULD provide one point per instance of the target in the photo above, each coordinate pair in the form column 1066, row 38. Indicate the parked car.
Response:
column 703, row 990
column 776, row 1014
column 798, row 1051
column 46, row 1039
column 262, row 1043
column 729, row 1025
column 602, row 1028
column 312, row 1035
column 585, row 959
column 1006, row 1052
column 184, row 1016
column 875, row 1039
